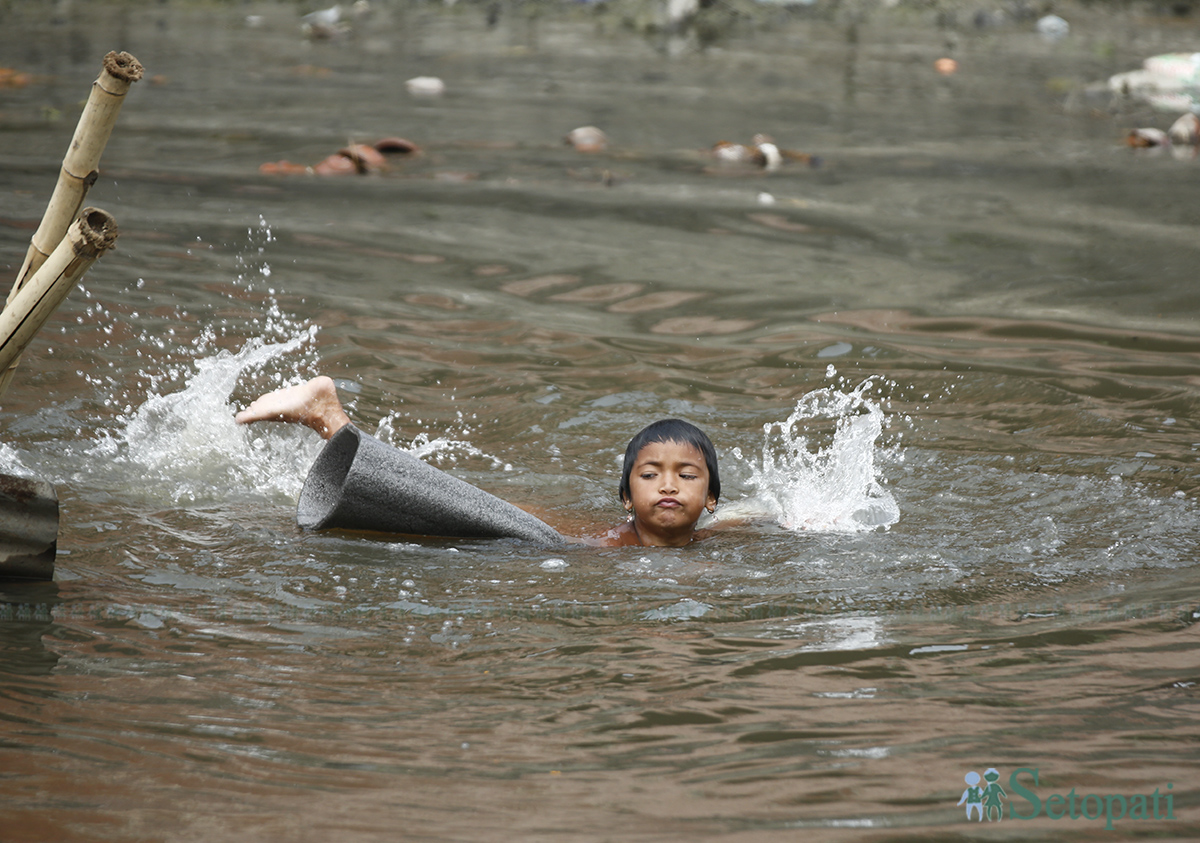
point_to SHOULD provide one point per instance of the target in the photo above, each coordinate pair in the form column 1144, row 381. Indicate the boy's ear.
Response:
column 711, row 503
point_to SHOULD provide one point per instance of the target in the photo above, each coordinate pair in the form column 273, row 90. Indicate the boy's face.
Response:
column 669, row 490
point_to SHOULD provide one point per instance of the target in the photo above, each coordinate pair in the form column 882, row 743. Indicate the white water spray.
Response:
column 181, row 444
column 186, row 446
column 807, row 480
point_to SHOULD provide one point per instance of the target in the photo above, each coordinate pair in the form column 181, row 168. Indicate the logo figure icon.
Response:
column 986, row 798
column 992, row 794
column 973, row 795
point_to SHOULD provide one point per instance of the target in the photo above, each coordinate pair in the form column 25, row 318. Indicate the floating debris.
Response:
column 425, row 86
column 762, row 152
column 357, row 158
column 326, row 23
column 1185, row 130
column 1169, row 82
column 395, row 145
column 1146, row 138
column 10, row 78
column 333, row 22
column 587, row 139
column 351, row 160
column 1052, row 28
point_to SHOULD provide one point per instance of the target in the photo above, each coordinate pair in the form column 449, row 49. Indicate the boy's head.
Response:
column 671, row 430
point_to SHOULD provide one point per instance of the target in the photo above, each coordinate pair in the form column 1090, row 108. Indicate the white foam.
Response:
column 805, row 484
column 184, row 446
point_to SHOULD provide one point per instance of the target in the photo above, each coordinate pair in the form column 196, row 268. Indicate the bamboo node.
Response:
column 123, row 66
column 85, row 182
column 98, row 232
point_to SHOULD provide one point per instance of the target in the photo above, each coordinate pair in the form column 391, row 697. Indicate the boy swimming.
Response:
column 669, row 478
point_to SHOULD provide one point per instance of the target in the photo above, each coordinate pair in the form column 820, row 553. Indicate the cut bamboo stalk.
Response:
column 79, row 167
column 79, row 170
column 94, row 233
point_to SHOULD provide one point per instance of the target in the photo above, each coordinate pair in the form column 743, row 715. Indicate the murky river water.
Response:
column 958, row 362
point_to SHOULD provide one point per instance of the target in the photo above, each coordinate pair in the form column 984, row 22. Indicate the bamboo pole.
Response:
column 94, row 233
column 79, row 170
column 79, row 165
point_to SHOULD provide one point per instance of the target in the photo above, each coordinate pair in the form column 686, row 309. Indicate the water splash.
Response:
column 176, row 439
column 11, row 462
column 449, row 447
column 185, row 446
column 818, row 469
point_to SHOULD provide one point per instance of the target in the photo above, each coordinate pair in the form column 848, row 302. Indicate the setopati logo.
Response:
column 984, row 797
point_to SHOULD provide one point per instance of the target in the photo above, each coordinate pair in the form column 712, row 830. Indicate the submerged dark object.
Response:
column 359, row 483
column 28, row 528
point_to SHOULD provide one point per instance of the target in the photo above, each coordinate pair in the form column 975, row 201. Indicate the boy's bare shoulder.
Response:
column 622, row 535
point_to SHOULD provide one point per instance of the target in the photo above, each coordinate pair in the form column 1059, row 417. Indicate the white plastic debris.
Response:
column 425, row 86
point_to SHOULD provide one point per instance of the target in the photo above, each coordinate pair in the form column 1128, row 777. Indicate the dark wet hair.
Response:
column 672, row 430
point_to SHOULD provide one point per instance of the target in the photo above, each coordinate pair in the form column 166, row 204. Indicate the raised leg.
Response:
column 314, row 404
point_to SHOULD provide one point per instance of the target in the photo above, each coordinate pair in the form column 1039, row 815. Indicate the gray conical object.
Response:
column 359, row 483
